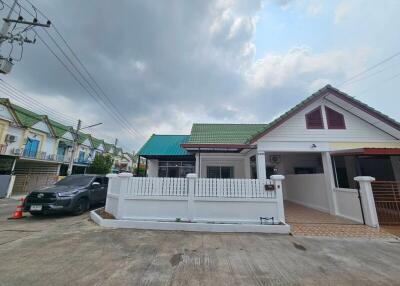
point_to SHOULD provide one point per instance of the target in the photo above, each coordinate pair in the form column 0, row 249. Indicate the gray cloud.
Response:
column 166, row 64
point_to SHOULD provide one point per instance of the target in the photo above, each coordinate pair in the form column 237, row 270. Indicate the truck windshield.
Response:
column 75, row 181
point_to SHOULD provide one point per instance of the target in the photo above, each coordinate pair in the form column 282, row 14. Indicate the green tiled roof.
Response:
column 82, row 137
column 164, row 145
column 59, row 129
column 96, row 142
column 223, row 133
column 108, row 146
column 25, row 116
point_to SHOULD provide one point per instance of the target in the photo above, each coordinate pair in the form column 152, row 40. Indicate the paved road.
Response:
column 75, row 251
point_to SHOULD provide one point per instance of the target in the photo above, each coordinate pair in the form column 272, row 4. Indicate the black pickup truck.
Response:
column 73, row 194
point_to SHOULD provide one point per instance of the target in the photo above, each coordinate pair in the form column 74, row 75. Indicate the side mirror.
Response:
column 95, row 184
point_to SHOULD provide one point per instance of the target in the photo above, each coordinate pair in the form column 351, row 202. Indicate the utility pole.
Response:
column 6, row 63
column 74, row 148
column 76, row 144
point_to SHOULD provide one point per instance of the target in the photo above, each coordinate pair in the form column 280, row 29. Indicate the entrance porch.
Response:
column 310, row 222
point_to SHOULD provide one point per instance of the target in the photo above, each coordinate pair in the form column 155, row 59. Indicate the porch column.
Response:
column 329, row 182
column 261, row 169
column 367, row 199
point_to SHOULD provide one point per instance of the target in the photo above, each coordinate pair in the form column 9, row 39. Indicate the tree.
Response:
column 101, row 164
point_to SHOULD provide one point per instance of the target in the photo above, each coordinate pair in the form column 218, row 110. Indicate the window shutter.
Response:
column 314, row 119
column 335, row 119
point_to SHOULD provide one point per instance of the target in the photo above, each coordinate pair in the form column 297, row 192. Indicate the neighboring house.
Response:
column 126, row 164
column 36, row 149
column 320, row 145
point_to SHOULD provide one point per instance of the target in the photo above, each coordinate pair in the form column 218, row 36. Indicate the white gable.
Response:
column 101, row 147
column 5, row 113
column 41, row 126
column 357, row 130
column 68, row 136
column 87, row 142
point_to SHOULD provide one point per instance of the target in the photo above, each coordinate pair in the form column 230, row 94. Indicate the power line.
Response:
column 31, row 105
column 117, row 115
column 369, row 75
column 382, row 82
column 36, row 102
column 371, row 68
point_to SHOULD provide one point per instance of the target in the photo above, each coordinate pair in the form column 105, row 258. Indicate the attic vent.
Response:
column 314, row 119
column 335, row 119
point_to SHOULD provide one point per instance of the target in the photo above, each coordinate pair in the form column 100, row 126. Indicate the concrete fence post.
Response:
column 123, row 190
column 110, row 189
column 367, row 200
column 191, row 189
column 277, row 179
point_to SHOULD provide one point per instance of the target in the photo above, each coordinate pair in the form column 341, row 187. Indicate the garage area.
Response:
column 30, row 175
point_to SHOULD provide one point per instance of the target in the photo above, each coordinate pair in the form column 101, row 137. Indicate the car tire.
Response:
column 36, row 213
column 81, row 206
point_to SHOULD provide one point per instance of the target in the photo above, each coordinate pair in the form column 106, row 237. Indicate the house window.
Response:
column 175, row 169
column 220, row 172
column 314, row 119
column 335, row 119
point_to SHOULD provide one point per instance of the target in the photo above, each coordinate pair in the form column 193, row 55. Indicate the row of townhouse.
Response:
column 35, row 150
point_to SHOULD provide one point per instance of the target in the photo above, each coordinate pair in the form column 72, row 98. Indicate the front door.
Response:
column 31, row 148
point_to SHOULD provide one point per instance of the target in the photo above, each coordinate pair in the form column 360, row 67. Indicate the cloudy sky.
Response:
column 167, row 64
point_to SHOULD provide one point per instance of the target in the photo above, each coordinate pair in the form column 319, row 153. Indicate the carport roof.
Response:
column 164, row 145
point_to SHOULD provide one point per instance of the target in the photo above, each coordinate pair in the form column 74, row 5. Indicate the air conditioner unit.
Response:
column 11, row 138
column 5, row 66
column 275, row 159
column 16, row 151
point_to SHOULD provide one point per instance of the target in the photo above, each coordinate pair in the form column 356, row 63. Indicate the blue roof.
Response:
column 164, row 145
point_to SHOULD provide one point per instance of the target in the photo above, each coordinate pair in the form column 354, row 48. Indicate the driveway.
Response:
column 75, row 251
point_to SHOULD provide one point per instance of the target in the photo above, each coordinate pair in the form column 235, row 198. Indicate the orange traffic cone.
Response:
column 18, row 211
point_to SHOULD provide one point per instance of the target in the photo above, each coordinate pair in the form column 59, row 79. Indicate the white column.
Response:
column 111, row 189
column 277, row 179
column 124, row 183
column 191, row 189
column 261, row 169
column 329, row 182
column 367, row 200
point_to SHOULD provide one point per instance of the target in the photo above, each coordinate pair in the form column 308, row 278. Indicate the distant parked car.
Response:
column 73, row 194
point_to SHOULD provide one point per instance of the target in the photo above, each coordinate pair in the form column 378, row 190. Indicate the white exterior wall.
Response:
column 293, row 135
column 18, row 132
column 41, row 126
column 308, row 190
column 49, row 145
column 5, row 114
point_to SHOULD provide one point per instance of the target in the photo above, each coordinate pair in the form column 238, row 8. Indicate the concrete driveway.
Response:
column 75, row 251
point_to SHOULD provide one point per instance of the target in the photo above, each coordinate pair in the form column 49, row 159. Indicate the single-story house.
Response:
column 319, row 145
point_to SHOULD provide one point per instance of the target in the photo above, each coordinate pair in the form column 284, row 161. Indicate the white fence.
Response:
column 193, row 199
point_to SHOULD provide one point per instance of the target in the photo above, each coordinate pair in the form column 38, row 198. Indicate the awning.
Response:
column 367, row 151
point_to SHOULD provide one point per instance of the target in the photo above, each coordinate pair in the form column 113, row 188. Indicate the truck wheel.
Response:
column 81, row 206
column 36, row 213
